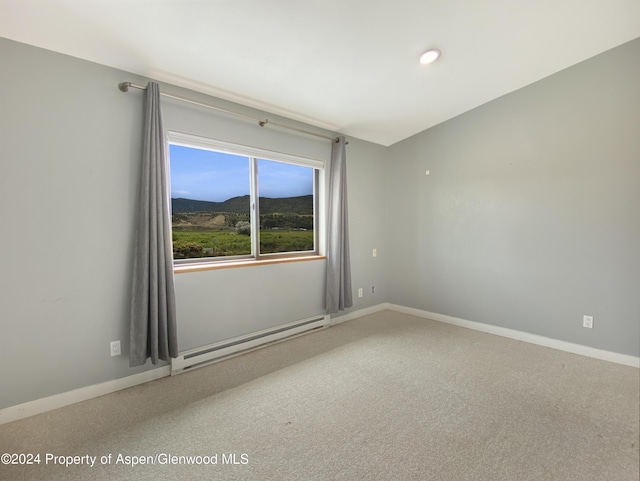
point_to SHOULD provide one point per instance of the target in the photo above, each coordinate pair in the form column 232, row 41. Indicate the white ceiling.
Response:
column 347, row 65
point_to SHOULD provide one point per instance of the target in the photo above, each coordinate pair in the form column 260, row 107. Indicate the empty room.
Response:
column 320, row 240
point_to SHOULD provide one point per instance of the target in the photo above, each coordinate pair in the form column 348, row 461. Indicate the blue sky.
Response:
column 215, row 176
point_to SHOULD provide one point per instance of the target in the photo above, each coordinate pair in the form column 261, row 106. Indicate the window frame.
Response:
column 255, row 154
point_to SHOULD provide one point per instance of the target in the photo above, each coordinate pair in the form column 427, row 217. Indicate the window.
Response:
column 232, row 202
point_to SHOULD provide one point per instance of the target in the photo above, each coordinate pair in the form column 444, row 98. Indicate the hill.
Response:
column 299, row 205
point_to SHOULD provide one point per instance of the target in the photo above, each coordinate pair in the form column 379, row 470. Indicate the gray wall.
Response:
column 69, row 147
column 68, row 140
column 529, row 218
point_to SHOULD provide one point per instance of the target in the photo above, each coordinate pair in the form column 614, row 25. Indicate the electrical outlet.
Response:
column 375, row 253
column 115, row 348
column 587, row 321
column 360, row 292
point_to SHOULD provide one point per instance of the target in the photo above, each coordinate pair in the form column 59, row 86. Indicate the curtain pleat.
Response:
column 338, row 282
column 153, row 332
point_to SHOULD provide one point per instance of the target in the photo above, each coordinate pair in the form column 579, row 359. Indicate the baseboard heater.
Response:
column 219, row 351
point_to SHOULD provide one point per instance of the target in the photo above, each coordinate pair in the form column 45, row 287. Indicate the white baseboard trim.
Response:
column 38, row 406
column 31, row 408
column 615, row 357
column 359, row 313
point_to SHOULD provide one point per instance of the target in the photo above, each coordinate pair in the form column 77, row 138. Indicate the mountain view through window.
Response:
column 219, row 199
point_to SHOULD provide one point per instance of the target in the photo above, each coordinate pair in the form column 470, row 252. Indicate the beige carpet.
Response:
column 385, row 397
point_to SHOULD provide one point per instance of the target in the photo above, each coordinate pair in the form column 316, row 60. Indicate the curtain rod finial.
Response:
column 124, row 86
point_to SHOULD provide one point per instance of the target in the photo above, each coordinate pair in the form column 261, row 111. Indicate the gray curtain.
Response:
column 153, row 309
column 338, row 291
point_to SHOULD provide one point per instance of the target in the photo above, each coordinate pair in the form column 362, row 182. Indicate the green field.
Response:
column 216, row 243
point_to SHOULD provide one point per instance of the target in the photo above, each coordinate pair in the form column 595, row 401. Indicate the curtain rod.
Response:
column 124, row 87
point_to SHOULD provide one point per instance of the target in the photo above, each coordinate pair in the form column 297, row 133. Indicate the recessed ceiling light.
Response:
column 430, row 56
